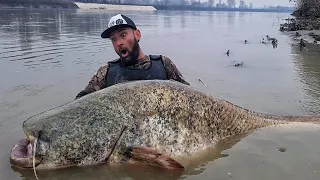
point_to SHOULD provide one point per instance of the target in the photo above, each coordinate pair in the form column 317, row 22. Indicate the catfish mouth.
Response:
column 21, row 155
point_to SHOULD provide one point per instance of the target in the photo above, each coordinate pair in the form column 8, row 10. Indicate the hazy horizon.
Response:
column 261, row 3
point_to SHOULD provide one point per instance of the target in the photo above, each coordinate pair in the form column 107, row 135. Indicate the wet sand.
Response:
column 304, row 34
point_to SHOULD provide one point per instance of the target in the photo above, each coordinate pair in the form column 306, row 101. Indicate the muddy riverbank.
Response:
column 303, row 28
column 305, row 21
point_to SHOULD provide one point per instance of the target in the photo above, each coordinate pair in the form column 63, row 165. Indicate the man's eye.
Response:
column 123, row 34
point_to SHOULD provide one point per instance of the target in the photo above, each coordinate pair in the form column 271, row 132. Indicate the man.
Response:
column 133, row 64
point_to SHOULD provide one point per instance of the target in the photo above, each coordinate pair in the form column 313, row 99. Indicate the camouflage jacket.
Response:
column 98, row 81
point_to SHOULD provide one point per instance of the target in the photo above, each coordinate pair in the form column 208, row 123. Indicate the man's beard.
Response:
column 133, row 55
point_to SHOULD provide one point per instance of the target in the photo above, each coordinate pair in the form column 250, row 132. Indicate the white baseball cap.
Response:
column 116, row 22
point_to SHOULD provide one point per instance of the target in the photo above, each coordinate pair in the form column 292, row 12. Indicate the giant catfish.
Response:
column 150, row 121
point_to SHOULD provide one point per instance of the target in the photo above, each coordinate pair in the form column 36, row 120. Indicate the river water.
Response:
column 48, row 56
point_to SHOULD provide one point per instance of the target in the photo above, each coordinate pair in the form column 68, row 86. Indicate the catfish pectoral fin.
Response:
column 151, row 157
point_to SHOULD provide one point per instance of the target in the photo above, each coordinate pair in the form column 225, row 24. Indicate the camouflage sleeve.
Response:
column 96, row 83
column 172, row 71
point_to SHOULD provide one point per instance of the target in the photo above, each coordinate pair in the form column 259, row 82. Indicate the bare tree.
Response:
column 307, row 7
column 183, row 2
column 231, row 3
column 210, row 3
column 166, row 2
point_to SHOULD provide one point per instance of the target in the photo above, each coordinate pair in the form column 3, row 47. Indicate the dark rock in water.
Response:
column 238, row 64
column 302, row 43
column 311, row 33
column 282, row 149
column 315, row 36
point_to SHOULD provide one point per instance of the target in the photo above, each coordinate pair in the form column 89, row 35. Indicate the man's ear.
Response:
column 137, row 34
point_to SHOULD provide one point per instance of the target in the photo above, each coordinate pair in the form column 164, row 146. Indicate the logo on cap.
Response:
column 119, row 21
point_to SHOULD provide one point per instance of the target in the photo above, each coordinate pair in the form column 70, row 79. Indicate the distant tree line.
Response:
column 307, row 8
column 98, row 1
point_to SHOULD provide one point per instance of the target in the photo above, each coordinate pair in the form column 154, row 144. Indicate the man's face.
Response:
column 125, row 43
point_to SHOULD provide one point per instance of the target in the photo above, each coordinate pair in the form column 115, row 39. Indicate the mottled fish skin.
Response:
column 174, row 118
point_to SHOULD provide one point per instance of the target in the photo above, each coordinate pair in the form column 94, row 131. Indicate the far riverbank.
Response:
column 69, row 4
column 114, row 7
column 65, row 4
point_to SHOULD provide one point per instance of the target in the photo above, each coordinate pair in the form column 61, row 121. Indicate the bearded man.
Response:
column 132, row 63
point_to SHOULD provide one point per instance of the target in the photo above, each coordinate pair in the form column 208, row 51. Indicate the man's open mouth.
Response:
column 22, row 155
column 124, row 53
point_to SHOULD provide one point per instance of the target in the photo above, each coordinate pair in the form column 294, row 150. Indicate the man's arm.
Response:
column 96, row 83
column 172, row 71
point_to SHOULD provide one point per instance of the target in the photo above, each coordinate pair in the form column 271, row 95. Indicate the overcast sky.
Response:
column 261, row 3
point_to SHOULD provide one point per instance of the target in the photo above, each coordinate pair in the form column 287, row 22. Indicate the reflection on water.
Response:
column 193, row 166
column 44, row 36
column 307, row 65
column 253, row 156
column 103, row 172
column 231, row 19
column 48, row 56
column 167, row 21
column 183, row 22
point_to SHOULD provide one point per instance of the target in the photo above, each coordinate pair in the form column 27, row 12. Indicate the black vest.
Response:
column 117, row 73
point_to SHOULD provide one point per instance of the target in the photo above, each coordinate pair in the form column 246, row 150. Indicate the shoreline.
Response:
column 197, row 8
column 114, row 7
column 304, row 28
column 305, row 22
column 68, row 4
column 78, row 5
column 299, row 27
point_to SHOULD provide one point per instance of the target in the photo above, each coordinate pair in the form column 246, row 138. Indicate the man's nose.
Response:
column 119, row 42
